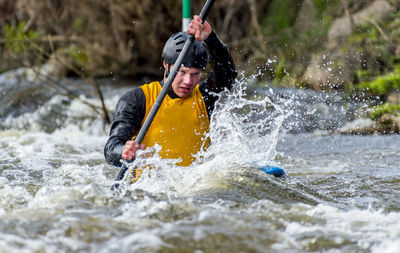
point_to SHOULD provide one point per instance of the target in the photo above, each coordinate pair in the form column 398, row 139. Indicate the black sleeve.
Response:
column 222, row 74
column 130, row 111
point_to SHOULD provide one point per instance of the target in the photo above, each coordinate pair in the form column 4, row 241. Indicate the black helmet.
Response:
column 196, row 57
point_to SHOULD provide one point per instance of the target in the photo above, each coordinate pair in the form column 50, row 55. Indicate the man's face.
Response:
column 185, row 80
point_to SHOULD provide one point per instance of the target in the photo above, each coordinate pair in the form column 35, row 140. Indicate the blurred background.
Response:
column 349, row 46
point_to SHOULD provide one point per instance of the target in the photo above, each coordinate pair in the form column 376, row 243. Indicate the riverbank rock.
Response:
column 53, row 68
column 389, row 124
column 363, row 126
column 305, row 18
column 342, row 27
column 337, row 65
column 331, row 70
column 397, row 50
column 394, row 98
column 317, row 73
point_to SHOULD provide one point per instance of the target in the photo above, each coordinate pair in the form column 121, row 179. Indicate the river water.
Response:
column 341, row 193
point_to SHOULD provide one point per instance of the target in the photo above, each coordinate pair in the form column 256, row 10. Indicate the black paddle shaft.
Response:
column 146, row 125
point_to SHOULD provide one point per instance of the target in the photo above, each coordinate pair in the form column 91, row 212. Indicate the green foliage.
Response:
column 326, row 11
column 16, row 40
column 287, row 41
column 78, row 55
column 322, row 5
column 394, row 27
column 377, row 55
column 383, row 84
column 280, row 71
column 365, row 75
column 281, row 15
column 78, row 24
column 377, row 111
column 365, row 34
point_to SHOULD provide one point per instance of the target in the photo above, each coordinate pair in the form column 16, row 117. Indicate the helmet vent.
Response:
column 196, row 55
column 177, row 37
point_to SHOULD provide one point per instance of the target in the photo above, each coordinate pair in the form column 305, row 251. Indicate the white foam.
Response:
column 368, row 229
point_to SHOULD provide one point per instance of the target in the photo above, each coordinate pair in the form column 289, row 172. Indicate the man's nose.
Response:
column 187, row 78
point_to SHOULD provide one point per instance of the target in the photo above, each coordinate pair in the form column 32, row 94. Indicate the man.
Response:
column 183, row 119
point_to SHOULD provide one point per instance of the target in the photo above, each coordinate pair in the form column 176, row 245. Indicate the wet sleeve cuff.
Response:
column 115, row 155
column 212, row 39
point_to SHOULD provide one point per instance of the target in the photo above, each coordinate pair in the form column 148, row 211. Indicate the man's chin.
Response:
column 184, row 93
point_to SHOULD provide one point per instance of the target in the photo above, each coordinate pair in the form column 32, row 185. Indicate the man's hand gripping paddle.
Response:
column 203, row 15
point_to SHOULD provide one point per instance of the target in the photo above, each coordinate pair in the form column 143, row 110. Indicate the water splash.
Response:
column 244, row 134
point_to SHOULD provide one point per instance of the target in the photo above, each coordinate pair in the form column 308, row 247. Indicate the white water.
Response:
column 341, row 194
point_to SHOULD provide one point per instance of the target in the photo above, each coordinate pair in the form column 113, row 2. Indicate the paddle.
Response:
column 139, row 138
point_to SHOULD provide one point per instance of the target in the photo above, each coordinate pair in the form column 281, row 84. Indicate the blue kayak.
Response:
column 273, row 170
